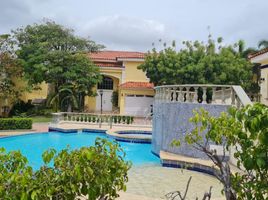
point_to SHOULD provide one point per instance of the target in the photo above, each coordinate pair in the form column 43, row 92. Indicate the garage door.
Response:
column 138, row 105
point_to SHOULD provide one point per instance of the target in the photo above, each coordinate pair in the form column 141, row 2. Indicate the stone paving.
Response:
column 156, row 181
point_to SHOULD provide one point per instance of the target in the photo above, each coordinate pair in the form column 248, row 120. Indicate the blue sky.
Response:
column 136, row 24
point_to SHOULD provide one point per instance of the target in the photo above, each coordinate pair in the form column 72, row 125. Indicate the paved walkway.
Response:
column 153, row 182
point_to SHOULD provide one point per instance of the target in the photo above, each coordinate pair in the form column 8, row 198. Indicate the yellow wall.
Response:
column 123, row 93
column 36, row 94
column 132, row 73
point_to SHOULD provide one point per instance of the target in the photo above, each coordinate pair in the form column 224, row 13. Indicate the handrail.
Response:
column 203, row 93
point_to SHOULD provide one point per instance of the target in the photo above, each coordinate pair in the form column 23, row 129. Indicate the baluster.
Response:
column 204, row 95
column 223, row 95
column 195, row 95
column 232, row 97
column 180, row 96
column 169, row 94
column 213, row 95
column 187, row 97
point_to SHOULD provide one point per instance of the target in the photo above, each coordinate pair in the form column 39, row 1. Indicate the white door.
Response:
column 138, row 105
column 106, row 101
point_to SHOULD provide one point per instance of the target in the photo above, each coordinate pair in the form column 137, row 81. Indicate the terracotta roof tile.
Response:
column 114, row 55
column 137, row 85
column 265, row 50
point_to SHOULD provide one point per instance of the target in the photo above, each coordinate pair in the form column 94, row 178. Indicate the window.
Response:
column 106, row 84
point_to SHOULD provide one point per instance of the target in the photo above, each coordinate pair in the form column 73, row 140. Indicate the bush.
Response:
column 96, row 172
column 20, row 107
column 15, row 123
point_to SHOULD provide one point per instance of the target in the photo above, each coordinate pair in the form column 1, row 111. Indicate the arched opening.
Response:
column 106, row 84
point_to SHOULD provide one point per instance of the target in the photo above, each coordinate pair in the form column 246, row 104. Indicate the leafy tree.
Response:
column 199, row 63
column 263, row 44
column 247, row 131
column 10, row 68
column 52, row 53
column 96, row 172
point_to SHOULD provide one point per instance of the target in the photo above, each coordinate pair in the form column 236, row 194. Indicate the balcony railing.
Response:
column 205, row 94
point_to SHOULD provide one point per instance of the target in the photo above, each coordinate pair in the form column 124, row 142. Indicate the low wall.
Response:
column 171, row 121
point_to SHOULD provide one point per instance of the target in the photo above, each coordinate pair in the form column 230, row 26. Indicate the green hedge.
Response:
column 15, row 123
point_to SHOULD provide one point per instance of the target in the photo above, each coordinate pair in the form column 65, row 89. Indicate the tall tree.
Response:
column 10, row 68
column 263, row 44
column 52, row 53
column 199, row 63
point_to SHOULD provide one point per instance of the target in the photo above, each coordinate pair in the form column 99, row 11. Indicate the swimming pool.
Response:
column 33, row 145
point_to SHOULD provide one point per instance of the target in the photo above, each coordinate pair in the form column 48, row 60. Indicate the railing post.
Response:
column 232, row 96
column 111, row 121
column 223, row 95
column 213, row 95
column 195, row 98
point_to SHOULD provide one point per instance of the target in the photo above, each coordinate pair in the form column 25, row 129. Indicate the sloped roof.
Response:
column 263, row 51
column 137, row 85
column 114, row 55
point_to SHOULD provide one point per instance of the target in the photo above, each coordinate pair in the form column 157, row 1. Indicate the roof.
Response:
column 137, row 85
column 263, row 51
column 114, row 55
column 108, row 64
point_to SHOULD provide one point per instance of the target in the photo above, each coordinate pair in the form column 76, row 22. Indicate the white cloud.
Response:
column 121, row 32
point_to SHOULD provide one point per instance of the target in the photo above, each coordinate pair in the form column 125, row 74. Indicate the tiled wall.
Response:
column 171, row 120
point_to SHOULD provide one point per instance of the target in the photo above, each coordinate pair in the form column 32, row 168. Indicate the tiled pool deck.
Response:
column 147, row 182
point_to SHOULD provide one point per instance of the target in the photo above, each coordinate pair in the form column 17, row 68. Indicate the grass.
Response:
column 38, row 119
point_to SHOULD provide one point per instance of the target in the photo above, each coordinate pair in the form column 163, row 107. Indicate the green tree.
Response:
column 52, row 53
column 245, row 130
column 199, row 63
column 96, row 172
column 10, row 68
column 263, row 44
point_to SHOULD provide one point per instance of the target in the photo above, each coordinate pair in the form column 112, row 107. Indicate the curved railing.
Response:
column 205, row 94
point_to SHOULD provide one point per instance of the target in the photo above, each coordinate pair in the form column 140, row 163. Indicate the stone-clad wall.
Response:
column 171, row 120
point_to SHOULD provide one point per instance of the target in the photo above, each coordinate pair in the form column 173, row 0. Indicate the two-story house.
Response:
column 121, row 75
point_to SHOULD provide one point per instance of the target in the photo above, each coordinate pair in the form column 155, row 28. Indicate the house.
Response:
column 120, row 76
column 262, row 58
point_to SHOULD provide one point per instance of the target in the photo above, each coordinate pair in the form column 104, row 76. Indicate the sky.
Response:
column 136, row 24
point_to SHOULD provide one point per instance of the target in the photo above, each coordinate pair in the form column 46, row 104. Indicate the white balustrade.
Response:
column 209, row 94
column 91, row 118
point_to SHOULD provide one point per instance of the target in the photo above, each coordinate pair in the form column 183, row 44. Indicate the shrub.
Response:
column 20, row 107
column 15, row 123
column 96, row 172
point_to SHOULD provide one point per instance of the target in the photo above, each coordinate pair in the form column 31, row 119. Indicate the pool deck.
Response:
column 147, row 182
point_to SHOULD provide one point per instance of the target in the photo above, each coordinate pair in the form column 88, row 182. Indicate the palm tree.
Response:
column 64, row 100
column 263, row 44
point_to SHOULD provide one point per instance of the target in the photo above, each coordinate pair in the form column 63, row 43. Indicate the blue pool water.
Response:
column 33, row 145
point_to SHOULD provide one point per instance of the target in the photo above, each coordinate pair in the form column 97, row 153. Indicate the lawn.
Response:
column 38, row 119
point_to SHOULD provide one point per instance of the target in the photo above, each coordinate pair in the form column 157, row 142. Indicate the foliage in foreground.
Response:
column 245, row 130
column 96, row 172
